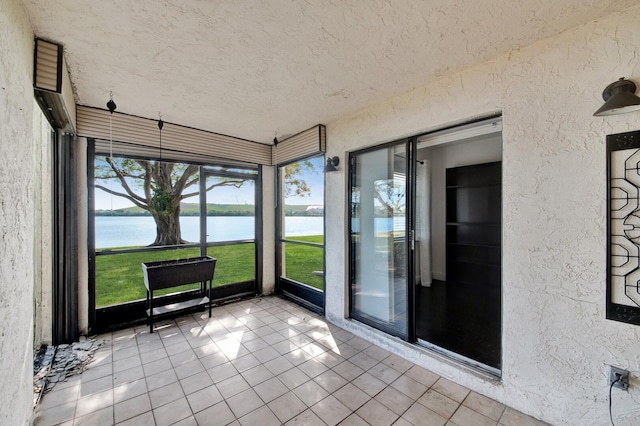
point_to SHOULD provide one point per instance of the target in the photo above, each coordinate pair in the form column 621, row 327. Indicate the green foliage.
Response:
column 162, row 200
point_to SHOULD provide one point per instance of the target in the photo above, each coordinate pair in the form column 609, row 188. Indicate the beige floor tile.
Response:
column 348, row 370
column 103, row 416
column 165, row 395
column 157, row 366
column 313, row 368
column 363, row 361
column 266, row 354
column 182, row 357
column 245, row 363
column 278, row 365
column 232, row 386
column 383, row 372
column 331, row 411
column 145, row 419
column 422, row 375
column 127, row 376
column 287, row 407
column 330, row 381
column 376, row 352
column 293, row 378
column 354, row 420
column 257, row 375
column 369, row 384
column 420, row 415
column 172, row 412
column 306, row 418
column 129, row 390
column 270, row 389
column 189, row 369
column 451, row 389
column 156, row 355
column 204, row 398
column 397, row 363
column 297, row 357
column 161, row 379
column 126, row 363
column 465, row 416
column 394, row 400
column 220, row 411
column 512, row 417
column 95, row 386
column 59, row 396
column 222, row 372
column 195, row 383
column 262, row 416
column 189, row 421
column 351, row 396
column 125, row 352
column 310, row 392
column 92, row 373
column 131, row 408
column 213, row 360
column 409, row 387
column 377, row 414
column 55, row 415
column 244, row 402
column 95, row 402
column 439, row 403
column 485, row 406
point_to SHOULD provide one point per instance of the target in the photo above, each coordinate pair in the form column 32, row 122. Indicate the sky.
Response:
column 229, row 195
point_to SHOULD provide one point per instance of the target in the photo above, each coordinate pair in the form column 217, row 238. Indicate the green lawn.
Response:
column 119, row 277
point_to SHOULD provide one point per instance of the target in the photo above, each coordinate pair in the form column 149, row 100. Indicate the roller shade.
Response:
column 139, row 137
column 304, row 144
column 52, row 85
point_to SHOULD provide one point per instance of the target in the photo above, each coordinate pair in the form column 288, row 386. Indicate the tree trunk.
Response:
column 168, row 227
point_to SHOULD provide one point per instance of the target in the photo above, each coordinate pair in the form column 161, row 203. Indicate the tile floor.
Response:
column 263, row 361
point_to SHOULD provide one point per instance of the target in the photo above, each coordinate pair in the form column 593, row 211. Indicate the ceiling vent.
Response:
column 53, row 86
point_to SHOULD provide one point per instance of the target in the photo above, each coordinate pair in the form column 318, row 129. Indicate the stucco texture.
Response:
column 556, row 341
column 16, row 214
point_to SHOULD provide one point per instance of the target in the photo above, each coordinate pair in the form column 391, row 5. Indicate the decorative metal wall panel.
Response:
column 623, row 227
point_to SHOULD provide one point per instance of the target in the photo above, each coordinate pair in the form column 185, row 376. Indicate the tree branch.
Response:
column 119, row 194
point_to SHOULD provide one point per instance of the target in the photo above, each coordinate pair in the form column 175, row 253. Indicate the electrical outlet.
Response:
column 614, row 373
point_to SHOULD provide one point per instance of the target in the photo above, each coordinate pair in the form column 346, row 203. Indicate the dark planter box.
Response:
column 173, row 273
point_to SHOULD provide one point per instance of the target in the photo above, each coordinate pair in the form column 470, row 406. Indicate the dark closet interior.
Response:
column 463, row 313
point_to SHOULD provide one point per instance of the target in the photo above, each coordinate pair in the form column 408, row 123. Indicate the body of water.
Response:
column 125, row 231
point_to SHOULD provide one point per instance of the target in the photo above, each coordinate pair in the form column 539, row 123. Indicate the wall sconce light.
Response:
column 619, row 98
column 332, row 163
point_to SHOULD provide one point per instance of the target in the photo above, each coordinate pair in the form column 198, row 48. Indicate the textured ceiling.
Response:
column 247, row 68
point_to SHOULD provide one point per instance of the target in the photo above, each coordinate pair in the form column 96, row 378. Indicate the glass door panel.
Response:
column 379, row 238
column 301, row 224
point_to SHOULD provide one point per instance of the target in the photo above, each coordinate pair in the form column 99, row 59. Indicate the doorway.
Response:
column 441, row 283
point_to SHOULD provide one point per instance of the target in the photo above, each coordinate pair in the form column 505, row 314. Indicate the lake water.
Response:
column 119, row 231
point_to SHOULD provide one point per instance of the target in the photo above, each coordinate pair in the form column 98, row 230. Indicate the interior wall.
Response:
column 556, row 341
column 17, row 214
column 465, row 153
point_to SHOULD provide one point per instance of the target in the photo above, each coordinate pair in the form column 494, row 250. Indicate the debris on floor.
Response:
column 53, row 364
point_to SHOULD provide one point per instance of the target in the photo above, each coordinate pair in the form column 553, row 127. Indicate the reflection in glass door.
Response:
column 301, row 232
column 379, row 238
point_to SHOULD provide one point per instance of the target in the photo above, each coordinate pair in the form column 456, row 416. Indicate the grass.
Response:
column 119, row 277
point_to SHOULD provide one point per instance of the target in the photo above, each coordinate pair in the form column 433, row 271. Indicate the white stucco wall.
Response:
column 269, row 235
column 556, row 340
column 17, row 176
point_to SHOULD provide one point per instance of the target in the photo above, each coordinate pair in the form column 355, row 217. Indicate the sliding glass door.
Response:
column 379, row 238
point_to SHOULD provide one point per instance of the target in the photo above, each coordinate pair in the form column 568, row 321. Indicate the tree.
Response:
column 157, row 187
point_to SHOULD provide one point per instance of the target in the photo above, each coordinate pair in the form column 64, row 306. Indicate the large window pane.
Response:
column 378, row 238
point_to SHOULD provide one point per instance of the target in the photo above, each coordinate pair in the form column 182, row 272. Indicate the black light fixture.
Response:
column 332, row 163
column 160, row 125
column 619, row 98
